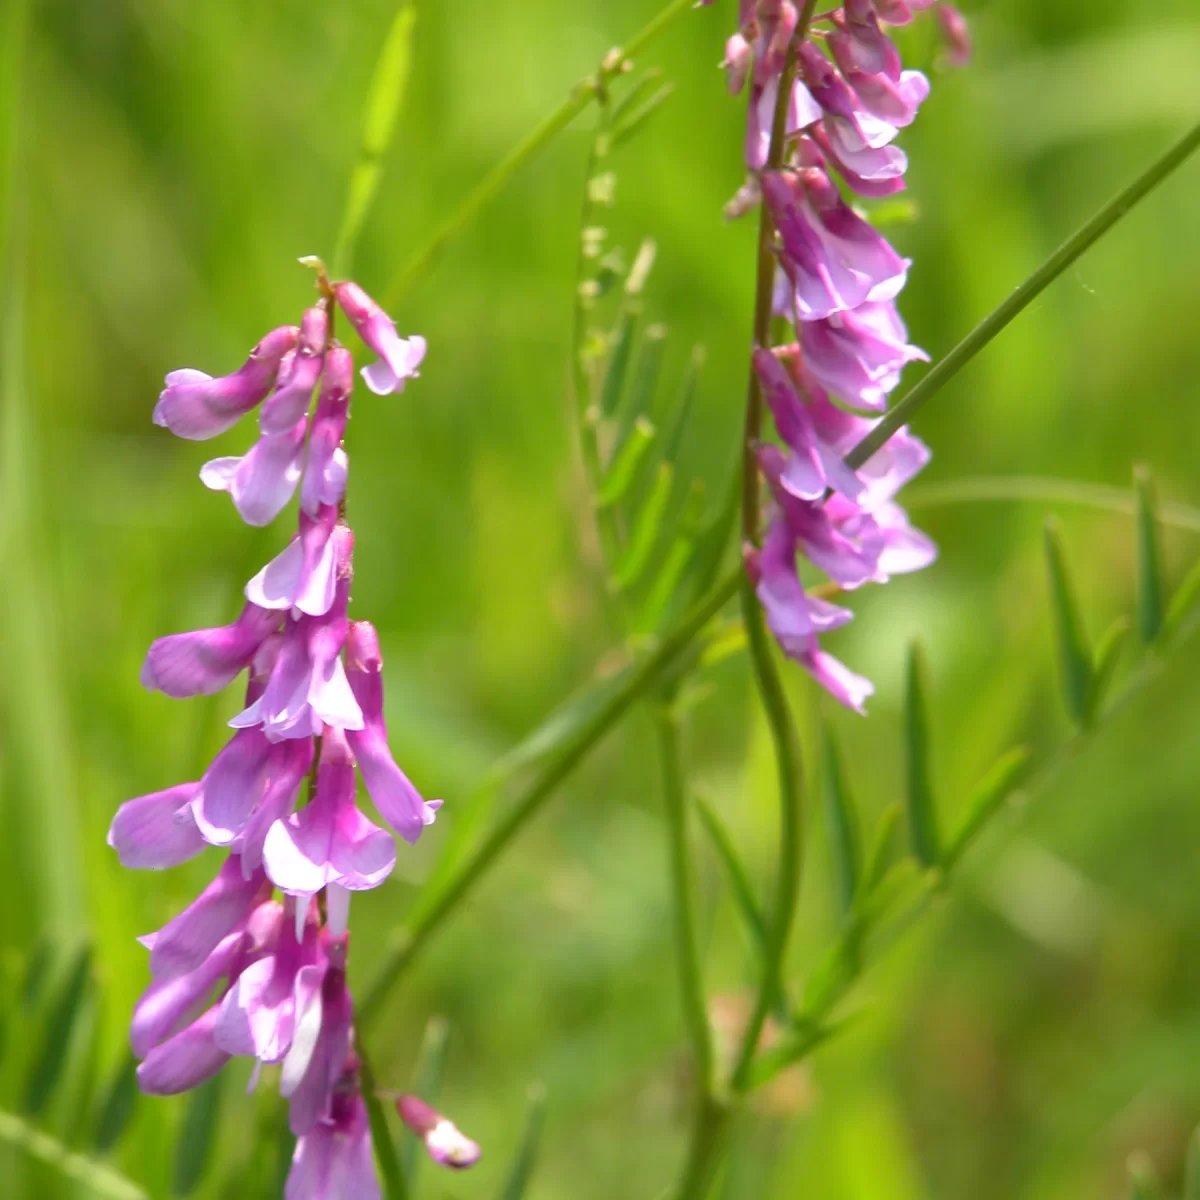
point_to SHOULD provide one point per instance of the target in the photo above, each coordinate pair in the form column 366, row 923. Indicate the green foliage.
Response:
column 1151, row 589
column 845, row 837
column 1076, row 669
column 521, row 1171
column 922, row 809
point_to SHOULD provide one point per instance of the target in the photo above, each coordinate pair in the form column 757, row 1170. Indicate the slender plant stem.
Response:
column 1025, row 294
column 691, row 981
column 492, row 184
column 788, row 756
column 706, row 1151
column 395, row 1184
column 459, row 883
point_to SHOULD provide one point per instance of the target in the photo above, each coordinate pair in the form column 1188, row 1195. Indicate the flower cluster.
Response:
column 837, row 280
column 313, row 712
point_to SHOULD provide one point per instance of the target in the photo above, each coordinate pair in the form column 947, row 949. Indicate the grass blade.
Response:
column 635, row 120
column 1108, row 654
column 521, row 1170
column 1183, row 603
column 883, row 849
column 118, row 1106
column 922, row 810
column 993, row 790
column 98, row 1179
column 646, row 527
column 194, row 1152
column 59, row 1027
column 384, row 100
column 1074, row 658
column 625, row 466
column 427, row 1083
column 739, row 881
column 395, row 1183
column 1151, row 588
column 844, row 830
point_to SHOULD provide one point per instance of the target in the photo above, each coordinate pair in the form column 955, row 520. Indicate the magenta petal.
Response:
column 325, row 472
column 188, row 939
column 204, row 661
column 232, row 787
column 156, row 831
column 837, row 679
column 184, row 1061
column 400, row 357
column 316, row 1059
column 334, row 1160
column 290, row 401
column 289, row 765
column 262, row 481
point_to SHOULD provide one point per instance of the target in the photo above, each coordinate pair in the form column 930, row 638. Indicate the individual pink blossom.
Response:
column 205, row 661
column 153, row 832
column 446, row 1145
column 865, row 44
column 900, row 12
column 835, row 677
column 955, row 34
column 289, row 403
column 398, row 802
column 316, row 1060
column 196, row 406
column 399, row 357
column 802, row 112
column 184, row 1061
column 225, row 906
column 333, row 1160
column 817, row 146
column 329, row 840
column 304, row 574
column 859, row 355
column 324, row 483
column 263, row 480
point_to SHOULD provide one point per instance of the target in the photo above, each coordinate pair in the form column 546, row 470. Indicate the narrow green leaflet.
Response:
column 739, row 881
column 922, row 812
column 384, row 100
column 673, row 440
column 1183, row 604
column 56, row 1033
column 1151, row 588
column 646, row 527
column 1074, row 658
column 636, row 118
column 628, row 461
column 525, row 1160
column 844, row 832
column 639, row 399
column 118, row 1106
column 618, row 363
column 987, row 799
column 194, row 1152
column 882, row 849
column 1108, row 654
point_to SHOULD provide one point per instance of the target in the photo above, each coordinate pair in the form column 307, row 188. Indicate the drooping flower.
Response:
column 304, row 574
column 263, row 480
column 447, row 1146
column 289, row 402
column 333, row 1159
column 399, row 357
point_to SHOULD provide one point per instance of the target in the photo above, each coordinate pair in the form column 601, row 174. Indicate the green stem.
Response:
column 691, row 982
column 395, row 1185
column 1024, row 295
column 582, row 94
column 458, row 883
column 710, row 1132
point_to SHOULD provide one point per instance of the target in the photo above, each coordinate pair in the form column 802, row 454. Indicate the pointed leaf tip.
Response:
column 1108, row 654
column 1151, row 589
column 1074, row 657
column 922, row 810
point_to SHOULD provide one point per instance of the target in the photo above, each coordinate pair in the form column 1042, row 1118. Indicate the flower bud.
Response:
column 446, row 1145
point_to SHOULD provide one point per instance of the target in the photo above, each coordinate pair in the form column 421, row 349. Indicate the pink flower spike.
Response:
column 157, row 831
column 224, row 906
column 204, row 661
column 325, row 473
column 333, row 1160
column 304, row 574
column 329, row 841
column 399, row 357
column 446, row 1145
column 263, row 479
column 398, row 802
column 184, row 1061
column 196, row 406
column 290, row 401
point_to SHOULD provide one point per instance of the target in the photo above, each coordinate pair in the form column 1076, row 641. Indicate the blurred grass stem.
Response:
column 528, row 148
column 1025, row 294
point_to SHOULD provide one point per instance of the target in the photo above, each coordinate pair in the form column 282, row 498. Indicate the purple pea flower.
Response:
column 329, row 841
column 835, row 677
column 819, row 150
column 303, row 575
column 900, row 12
column 333, row 1160
column 446, row 1145
column 399, row 357
column 399, row 803
column 290, row 401
column 955, row 34
column 262, row 480
column 153, row 832
column 196, row 406
column 324, row 483
column 865, row 44
column 205, row 661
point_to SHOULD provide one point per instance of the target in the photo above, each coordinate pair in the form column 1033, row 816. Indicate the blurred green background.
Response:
column 173, row 161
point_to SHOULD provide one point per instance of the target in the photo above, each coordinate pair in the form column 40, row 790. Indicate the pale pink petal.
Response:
column 184, row 1061
column 157, row 831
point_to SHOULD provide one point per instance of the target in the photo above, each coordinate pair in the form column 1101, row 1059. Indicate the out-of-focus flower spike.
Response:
column 447, row 1146
column 325, row 472
column 290, row 401
column 196, row 406
column 955, row 34
column 399, row 357
column 398, row 801
column 204, row 661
